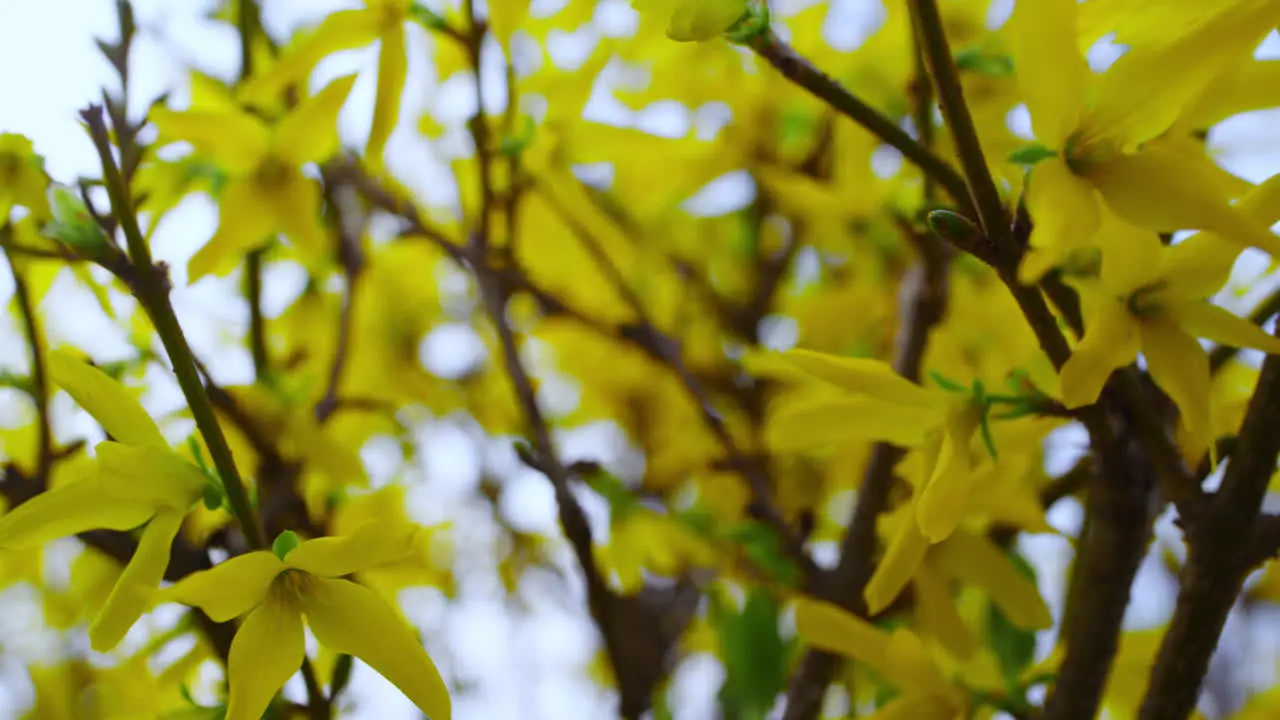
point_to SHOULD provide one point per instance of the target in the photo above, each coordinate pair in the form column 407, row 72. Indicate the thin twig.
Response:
column 151, row 287
column 39, row 386
column 800, row 71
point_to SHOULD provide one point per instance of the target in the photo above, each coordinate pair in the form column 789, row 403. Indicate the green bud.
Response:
column 953, row 227
column 753, row 23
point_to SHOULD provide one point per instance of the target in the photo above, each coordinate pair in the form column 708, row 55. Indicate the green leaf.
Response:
column 761, row 545
column 620, row 498
column 72, row 224
column 1031, row 154
column 755, row 656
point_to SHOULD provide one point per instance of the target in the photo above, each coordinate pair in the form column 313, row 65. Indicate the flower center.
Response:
column 1146, row 302
column 1082, row 152
column 272, row 173
column 10, row 166
column 292, row 584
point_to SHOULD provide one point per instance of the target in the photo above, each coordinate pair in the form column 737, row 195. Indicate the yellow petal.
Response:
column 897, row 567
column 296, row 203
column 1136, row 100
column 1202, row 319
column 1246, row 87
column 105, row 399
column 150, row 475
column 1111, row 341
column 75, row 507
column 1180, row 367
column 246, row 219
column 938, row 616
column 230, row 588
column 353, row 620
column 975, row 560
column 505, row 17
column 827, row 627
column 946, row 495
column 1132, row 257
column 1066, row 214
column 310, row 132
column 911, row 665
column 236, row 141
column 137, row 585
column 266, row 652
column 812, row 423
column 393, row 68
column 370, row 545
column 1051, row 72
column 1165, row 191
column 341, row 30
column 863, row 376
column 1199, row 266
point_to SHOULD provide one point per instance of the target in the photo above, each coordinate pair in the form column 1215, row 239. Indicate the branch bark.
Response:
column 1220, row 557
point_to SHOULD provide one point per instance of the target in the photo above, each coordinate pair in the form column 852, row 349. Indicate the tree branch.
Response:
column 803, row 73
column 151, row 286
column 1219, row 558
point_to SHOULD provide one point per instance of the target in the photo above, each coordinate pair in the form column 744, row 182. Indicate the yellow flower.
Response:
column 1104, row 158
column 136, row 481
column 880, row 405
column 1151, row 298
column 266, row 191
column 380, row 21
column 694, row 20
column 344, row 616
column 22, row 178
column 899, row 657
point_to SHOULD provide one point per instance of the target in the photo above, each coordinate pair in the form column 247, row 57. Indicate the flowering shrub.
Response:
column 856, row 320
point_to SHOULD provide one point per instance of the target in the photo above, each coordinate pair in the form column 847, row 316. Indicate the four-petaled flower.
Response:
column 382, row 21
column 1152, row 298
column 136, row 481
column 266, row 191
column 1108, row 155
column 306, row 580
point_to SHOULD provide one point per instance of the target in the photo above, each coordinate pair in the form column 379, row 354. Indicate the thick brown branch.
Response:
column 1220, row 557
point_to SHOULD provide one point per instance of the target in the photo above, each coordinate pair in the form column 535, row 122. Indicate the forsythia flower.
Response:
column 694, row 20
column 306, row 580
column 266, row 191
column 1153, row 298
column 899, row 657
column 382, row 21
column 880, row 405
column 1108, row 155
column 138, row 480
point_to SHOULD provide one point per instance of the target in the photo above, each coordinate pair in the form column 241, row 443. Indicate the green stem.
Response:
column 150, row 284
